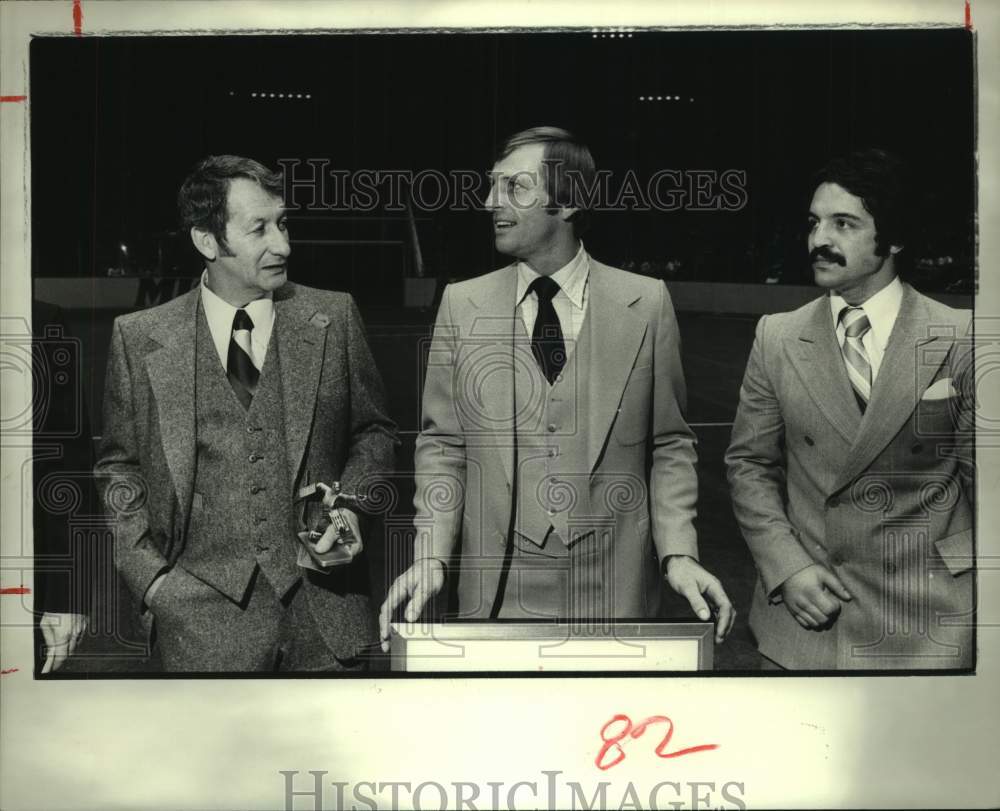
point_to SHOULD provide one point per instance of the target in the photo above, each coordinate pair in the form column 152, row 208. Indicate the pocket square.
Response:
column 941, row 390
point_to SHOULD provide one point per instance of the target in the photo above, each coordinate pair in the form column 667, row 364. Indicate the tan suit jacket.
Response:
column 639, row 482
column 885, row 500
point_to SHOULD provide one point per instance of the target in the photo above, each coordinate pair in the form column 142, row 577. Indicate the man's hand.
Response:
column 419, row 583
column 687, row 577
column 61, row 633
column 331, row 536
column 147, row 598
column 810, row 595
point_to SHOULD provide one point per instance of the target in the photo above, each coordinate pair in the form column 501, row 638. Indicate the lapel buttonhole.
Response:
column 320, row 320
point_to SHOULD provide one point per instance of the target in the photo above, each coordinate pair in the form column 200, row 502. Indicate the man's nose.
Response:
column 493, row 202
column 819, row 236
column 279, row 244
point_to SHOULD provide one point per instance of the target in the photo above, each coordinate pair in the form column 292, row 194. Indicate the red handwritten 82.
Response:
column 614, row 742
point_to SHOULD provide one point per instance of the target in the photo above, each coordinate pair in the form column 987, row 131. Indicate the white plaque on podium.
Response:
column 527, row 647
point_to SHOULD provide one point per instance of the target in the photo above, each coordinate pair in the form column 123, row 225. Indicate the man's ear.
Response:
column 205, row 243
column 565, row 212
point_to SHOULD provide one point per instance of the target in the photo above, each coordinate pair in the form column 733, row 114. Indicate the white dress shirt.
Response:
column 220, row 316
column 570, row 302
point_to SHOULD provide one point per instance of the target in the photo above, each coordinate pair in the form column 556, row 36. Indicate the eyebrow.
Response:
column 283, row 212
column 517, row 174
column 841, row 215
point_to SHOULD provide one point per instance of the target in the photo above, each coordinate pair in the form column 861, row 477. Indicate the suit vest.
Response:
column 241, row 515
column 553, row 482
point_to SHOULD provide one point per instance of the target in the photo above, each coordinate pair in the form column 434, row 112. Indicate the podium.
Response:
column 545, row 647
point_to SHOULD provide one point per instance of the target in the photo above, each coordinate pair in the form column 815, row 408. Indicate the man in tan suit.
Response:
column 219, row 407
column 851, row 462
column 555, row 472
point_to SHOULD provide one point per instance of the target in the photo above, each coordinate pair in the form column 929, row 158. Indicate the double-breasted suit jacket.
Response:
column 884, row 499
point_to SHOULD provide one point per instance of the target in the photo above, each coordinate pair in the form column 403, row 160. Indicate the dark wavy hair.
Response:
column 881, row 179
column 567, row 165
column 201, row 201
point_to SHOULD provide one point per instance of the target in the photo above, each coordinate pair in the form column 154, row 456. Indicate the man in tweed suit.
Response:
column 555, row 471
column 219, row 406
column 851, row 462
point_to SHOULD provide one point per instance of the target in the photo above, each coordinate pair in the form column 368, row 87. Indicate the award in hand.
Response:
column 323, row 521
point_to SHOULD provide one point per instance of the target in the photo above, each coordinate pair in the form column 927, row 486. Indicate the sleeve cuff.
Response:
column 143, row 606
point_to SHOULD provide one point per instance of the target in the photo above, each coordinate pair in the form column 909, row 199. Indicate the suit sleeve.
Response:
column 964, row 370
column 123, row 490
column 755, row 464
column 958, row 550
column 440, row 456
column 673, row 476
column 373, row 433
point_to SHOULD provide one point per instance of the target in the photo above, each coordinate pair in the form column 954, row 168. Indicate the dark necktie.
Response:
column 547, row 343
column 240, row 370
column 859, row 369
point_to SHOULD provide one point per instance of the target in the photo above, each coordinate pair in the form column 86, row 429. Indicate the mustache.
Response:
column 827, row 255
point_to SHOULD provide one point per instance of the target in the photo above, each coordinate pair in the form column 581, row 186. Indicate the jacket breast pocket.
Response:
column 632, row 420
column 937, row 417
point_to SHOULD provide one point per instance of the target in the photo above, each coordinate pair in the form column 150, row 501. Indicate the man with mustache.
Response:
column 555, row 472
column 851, row 461
column 219, row 407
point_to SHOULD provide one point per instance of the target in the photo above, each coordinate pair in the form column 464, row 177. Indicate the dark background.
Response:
column 116, row 123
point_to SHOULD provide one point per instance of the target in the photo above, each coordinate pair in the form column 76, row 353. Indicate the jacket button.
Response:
column 256, row 489
column 552, row 428
column 918, row 448
column 809, row 441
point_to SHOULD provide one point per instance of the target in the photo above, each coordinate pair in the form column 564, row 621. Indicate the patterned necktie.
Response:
column 859, row 369
column 242, row 374
column 547, row 343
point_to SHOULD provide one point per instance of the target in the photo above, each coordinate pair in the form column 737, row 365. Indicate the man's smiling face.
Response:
column 522, row 225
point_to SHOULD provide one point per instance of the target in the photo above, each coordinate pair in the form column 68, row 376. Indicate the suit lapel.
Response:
column 816, row 356
column 900, row 383
column 171, row 372
column 616, row 334
column 300, row 331
column 487, row 360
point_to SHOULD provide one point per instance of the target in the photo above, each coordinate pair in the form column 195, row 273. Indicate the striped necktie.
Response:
column 242, row 374
column 859, row 369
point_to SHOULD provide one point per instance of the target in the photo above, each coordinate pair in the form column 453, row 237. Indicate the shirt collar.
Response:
column 220, row 313
column 571, row 278
column 881, row 309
